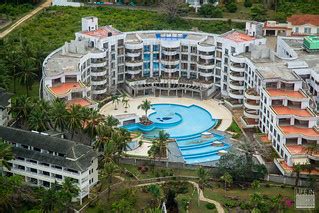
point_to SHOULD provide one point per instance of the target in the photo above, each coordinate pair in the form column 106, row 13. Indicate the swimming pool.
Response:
column 185, row 124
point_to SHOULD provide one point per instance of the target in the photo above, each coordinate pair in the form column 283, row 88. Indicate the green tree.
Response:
column 58, row 115
column 231, row 7
column 248, row 3
column 27, row 74
column 145, row 106
column 21, row 107
column 115, row 101
column 203, row 176
column 111, row 121
column 255, row 184
column 159, row 146
column 93, row 120
column 68, row 191
column 156, row 192
column 258, row 13
column 210, row 11
column 108, row 172
column 6, row 154
column 297, row 168
column 125, row 104
column 228, row 179
column 12, row 62
column 74, row 119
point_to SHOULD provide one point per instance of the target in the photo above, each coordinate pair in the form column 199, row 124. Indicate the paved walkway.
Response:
column 201, row 196
column 42, row 6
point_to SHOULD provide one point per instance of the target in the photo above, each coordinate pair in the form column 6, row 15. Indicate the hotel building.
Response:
column 278, row 90
column 43, row 160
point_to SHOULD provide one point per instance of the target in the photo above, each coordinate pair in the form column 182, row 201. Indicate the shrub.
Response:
column 210, row 206
column 210, row 11
column 248, row 3
column 258, row 12
column 244, row 205
column 231, row 7
column 231, row 204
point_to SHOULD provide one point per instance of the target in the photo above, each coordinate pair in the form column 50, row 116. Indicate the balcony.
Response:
column 237, row 68
column 98, row 72
column 205, row 48
column 167, row 61
column 236, row 94
column 134, row 45
column 169, row 70
column 99, row 91
column 251, row 114
column 236, row 59
column 134, row 63
column 206, row 57
column 205, row 66
column 134, row 54
column 99, row 82
column 236, row 85
column 170, row 53
column 237, row 76
column 134, row 72
column 206, row 74
column 252, row 94
column 250, row 104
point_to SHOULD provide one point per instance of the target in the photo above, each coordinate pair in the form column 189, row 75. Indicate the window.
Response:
column 184, row 48
column 297, row 29
column 318, row 30
column 307, row 30
column 146, row 57
column 155, row 56
column 146, row 48
column 155, row 48
column 184, row 57
column 193, row 49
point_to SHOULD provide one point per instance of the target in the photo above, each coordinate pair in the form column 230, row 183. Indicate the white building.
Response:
column 5, row 104
column 71, row 3
column 178, row 63
column 43, row 160
column 296, row 25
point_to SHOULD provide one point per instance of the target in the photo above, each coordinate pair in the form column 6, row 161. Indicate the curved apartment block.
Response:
column 278, row 91
column 179, row 63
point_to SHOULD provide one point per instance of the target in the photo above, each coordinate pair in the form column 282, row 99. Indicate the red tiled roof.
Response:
column 101, row 32
column 304, row 19
column 78, row 101
column 283, row 110
column 299, row 130
column 65, row 87
column 238, row 36
column 288, row 93
column 287, row 168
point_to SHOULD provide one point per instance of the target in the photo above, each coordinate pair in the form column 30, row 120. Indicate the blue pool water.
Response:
column 185, row 124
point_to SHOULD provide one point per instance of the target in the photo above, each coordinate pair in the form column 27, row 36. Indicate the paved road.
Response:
column 42, row 6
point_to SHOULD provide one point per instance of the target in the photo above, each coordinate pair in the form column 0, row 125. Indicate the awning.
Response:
column 300, row 161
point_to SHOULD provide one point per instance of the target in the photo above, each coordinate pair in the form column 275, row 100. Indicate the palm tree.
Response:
column 12, row 60
column 108, row 172
column 111, row 121
column 38, row 119
column 227, row 178
column 203, row 176
column 4, row 77
column 6, row 154
column 161, row 143
column 68, row 191
column 58, row 114
column 145, row 105
column 104, row 133
column 21, row 106
column 125, row 104
column 27, row 74
column 93, row 120
column 297, row 168
column 74, row 119
column 115, row 101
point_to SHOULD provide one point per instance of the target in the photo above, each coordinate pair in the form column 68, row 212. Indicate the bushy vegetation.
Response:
column 210, row 11
column 231, row 7
column 11, row 11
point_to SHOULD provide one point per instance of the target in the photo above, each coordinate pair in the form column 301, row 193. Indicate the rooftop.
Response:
column 237, row 36
column 283, row 110
column 77, row 156
column 289, row 169
column 304, row 19
column 287, row 93
column 299, row 130
column 79, row 101
column 4, row 98
column 103, row 32
column 64, row 88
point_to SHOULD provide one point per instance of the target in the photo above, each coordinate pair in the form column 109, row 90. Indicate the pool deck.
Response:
column 218, row 111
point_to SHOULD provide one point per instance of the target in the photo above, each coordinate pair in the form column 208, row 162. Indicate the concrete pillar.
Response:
column 299, row 141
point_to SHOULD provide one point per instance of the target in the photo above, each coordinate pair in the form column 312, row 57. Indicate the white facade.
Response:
column 71, row 3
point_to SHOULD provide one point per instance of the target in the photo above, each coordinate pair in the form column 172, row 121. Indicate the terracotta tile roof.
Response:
column 102, row 32
column 283, row 110
column 287, row 168
column 288, row 93
column 65, row 87
column 299, row 130
column 79, row 101
column 297, row 149
column 304, row 19
column 238, row 36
